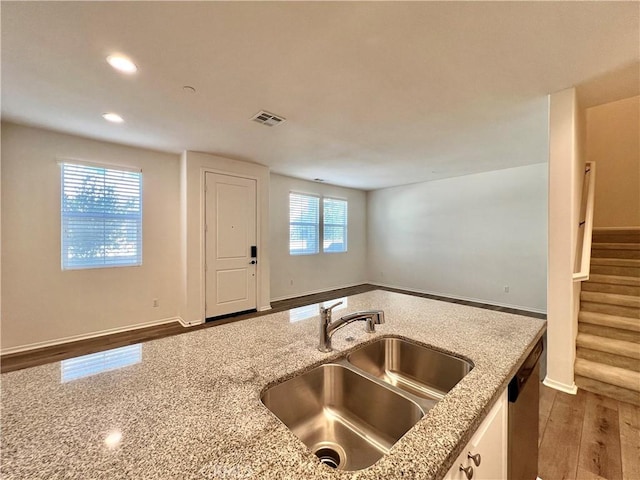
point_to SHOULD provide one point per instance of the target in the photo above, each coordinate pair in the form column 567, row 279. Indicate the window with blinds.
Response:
column 101, row 216
column 304, row 222
column 334, row 232
column 308, row 223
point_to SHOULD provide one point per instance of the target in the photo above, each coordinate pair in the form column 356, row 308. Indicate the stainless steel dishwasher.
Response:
column 524, row 394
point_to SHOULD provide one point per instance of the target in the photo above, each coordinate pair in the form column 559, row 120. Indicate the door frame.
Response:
column 203, row 244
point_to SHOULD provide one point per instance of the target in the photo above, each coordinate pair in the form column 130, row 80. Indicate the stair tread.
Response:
column 606, row 320
column 616, row 262
column 609, row 374
column 632, row 301
column 615, row 246
column 610, row 345
column 615, row 279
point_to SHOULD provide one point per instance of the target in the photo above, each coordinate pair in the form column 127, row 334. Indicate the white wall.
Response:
column 613, row 142
column 40, row 302
column 193, row 166
column 292, row 276
column 465, row 237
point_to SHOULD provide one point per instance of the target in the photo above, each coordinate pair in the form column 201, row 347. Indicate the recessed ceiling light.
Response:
column 112, row 117
column 122, row 63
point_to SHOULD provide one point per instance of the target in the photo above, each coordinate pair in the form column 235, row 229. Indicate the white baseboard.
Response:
column 457, row 297
column 312, row 292
column 264, row 309
column 185, row 323
column 86, row 336
column 563, row 387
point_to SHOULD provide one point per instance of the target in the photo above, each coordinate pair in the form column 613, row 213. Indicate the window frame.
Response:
column 127, row 219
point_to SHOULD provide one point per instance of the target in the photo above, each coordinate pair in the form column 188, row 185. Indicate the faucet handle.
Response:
column 328, row 309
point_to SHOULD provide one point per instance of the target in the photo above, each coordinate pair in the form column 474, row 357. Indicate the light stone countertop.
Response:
column 191, row 408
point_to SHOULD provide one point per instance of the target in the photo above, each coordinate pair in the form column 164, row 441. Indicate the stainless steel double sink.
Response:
column 350, row 412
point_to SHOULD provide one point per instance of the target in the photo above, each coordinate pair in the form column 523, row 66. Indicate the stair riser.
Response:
column 615, row 237
column 602, row 344
column 607, row 390
column 608, row 332
column 611, row 299
column 615, row 270
column 621, row 323
column 610, row 309
column 607, row 374
column 597, row 253
column 612, row 279
column 610, row 288
column 608, row 359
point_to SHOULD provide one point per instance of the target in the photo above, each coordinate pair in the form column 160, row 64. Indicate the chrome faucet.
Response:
column 327, row 329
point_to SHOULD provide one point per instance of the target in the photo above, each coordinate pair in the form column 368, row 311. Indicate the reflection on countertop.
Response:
column 95, row 363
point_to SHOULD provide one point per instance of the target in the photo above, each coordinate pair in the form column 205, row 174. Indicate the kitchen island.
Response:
column 190, row 407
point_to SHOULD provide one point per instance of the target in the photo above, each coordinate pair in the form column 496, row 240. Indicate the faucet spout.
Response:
column 328, row 328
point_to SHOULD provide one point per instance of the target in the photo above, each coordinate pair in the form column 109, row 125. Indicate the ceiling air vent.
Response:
column 268, row 119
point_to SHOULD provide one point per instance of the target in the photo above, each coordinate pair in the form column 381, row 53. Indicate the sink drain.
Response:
column 329, row 457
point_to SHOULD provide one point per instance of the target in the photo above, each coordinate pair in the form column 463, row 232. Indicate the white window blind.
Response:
column 101, row 217
column 334, row 225
column 304, row 223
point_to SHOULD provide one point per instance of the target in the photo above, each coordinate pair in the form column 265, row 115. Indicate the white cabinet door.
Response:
column 490, row 442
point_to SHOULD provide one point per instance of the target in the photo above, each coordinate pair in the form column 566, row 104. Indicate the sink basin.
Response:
column 409, row 366
column 347, row 420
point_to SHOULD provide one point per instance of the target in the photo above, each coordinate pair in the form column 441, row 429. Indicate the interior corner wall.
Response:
column 41, row 304
column 295, row 275
column 193, row 166
column 613, row 143
column 466, row 237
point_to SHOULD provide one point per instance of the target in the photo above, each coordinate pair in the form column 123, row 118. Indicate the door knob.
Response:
column 253, row 262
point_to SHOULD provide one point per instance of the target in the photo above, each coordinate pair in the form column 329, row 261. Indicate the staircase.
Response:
column 608, row 342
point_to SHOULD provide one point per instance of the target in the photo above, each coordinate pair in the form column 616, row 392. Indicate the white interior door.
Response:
column 230, row 232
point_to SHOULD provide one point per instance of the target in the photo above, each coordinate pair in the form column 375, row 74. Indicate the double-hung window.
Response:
column 304, row 226
column 334, row 232
column 308, row 223
column 101, row 216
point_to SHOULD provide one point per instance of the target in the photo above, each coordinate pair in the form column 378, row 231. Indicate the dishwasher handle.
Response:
column 518, row 382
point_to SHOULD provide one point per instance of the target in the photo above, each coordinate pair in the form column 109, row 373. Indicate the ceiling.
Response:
column 375, row 94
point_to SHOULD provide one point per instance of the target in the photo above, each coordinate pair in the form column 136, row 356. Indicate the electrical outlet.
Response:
column 156, row 303
column 506, row 289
